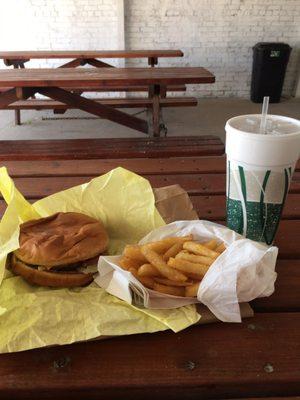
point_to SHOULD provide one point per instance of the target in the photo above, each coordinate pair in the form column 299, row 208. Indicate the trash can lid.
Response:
column 271, row 46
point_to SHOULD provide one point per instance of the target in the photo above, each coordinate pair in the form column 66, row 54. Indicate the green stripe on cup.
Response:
column 243, row 224
column 269, row 238
column 263, row 207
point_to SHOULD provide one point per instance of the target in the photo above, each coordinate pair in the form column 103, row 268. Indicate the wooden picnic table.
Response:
column 259, row 358
column 54, row 83
column 18, row 59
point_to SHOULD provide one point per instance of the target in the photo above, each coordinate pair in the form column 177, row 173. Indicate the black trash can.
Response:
column 268, row 70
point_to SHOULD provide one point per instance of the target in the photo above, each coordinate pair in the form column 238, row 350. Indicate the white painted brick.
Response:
column 217, row 34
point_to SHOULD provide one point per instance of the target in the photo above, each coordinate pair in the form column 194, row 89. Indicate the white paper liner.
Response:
column 243, row 272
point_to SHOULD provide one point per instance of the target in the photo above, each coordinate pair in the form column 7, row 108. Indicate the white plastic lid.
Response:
column 279, row 149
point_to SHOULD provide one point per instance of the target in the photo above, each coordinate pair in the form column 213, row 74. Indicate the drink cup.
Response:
column 259, row 172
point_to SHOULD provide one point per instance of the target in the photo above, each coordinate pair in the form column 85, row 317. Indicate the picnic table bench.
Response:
column 82, row 57
column 258, row 358
column 57, row 84
column 17, row 59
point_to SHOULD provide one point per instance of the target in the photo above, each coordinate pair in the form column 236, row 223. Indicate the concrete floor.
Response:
column 208, row 117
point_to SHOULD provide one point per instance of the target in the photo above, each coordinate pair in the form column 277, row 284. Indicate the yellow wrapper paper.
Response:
column 32, row 317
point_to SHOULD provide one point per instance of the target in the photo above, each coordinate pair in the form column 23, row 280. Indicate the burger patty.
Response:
column 76, row 267
column 33, row 275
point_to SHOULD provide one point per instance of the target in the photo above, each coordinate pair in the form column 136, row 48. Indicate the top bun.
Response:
column 62, row 238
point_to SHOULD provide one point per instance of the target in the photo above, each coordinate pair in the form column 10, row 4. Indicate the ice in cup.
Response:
column 259, row 172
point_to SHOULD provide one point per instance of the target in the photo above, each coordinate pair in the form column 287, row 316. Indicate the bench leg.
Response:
column 17, row 117
column 155, row 116
column 157, row 126
column 13, row 95
column 17, row 112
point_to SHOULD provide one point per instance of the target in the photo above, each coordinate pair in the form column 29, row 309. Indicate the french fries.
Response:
column 173, row 251
column 196, row 259
column 145, row 280
column 200, row 249
column 163, row 245
column 174, row 265
column 220, row 248
column 134, row 272
column 173, row 290
column 191, row 291
column 148, row 270
column 188, row 267
column 134, row 252
column 127, row 263
column 157, row 261
column 166, row 281
column 211, row 244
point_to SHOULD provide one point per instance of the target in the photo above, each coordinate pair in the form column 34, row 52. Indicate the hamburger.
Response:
column 59, row 250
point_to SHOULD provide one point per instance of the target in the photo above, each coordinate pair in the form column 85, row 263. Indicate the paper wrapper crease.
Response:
column 32, row 317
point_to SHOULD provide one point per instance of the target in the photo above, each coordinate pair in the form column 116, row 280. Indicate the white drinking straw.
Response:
column 264, row 113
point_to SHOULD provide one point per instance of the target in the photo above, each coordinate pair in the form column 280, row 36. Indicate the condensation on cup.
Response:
column 259, row 172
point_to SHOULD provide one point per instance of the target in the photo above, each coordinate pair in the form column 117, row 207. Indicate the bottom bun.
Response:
column 53, row 279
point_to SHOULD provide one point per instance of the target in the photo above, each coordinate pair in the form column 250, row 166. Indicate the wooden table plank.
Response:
column 36, row 187
column 210, row 186
column 153, row 166
column 85, row 54
column 170, row 88
column 214, row 207
column 287, row 293
column 125, row 142
column 92, row 148
column 116, row 102
column 108, row 77
column 240, row 360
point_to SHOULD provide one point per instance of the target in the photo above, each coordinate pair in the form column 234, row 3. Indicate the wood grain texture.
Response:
column 106, row 77
column 154, row 166
column 136, row 88
column 38, row 104
column 95, row 148
column 287, row 294
column 208, row 198
column 171, row 88
column 239, row 360
column 25, row 55
column 7, row 97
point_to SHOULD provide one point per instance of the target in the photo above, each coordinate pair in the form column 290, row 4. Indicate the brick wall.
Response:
column 217, row 34
column 61, row 25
